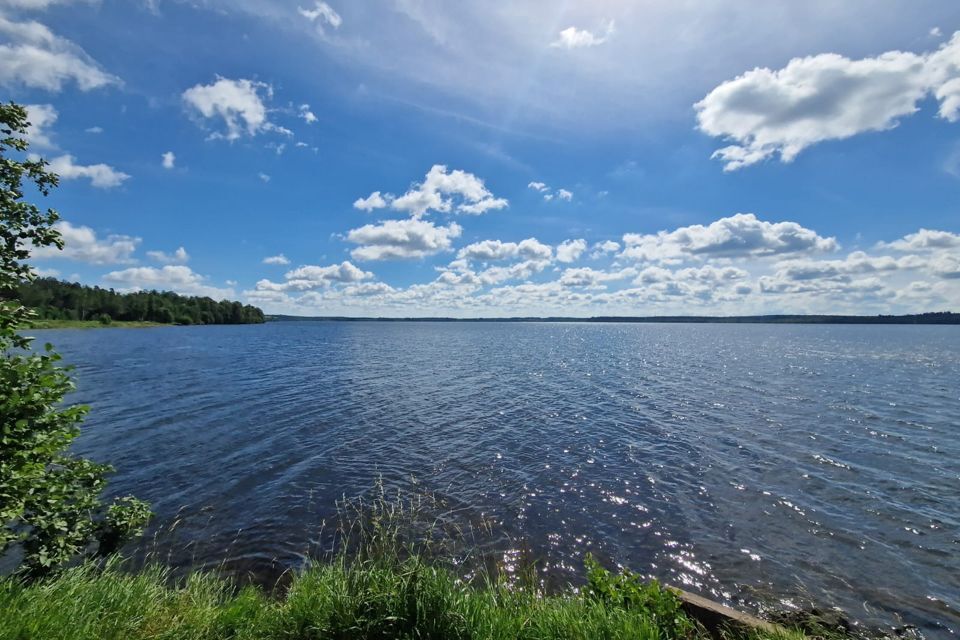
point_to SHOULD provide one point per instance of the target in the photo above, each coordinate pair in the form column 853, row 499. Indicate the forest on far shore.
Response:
column 54, row 299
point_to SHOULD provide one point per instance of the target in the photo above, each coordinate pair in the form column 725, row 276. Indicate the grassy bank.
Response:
column 372, row 599
column 91, row 324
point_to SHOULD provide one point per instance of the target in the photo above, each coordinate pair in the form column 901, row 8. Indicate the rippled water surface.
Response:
column 746, row 462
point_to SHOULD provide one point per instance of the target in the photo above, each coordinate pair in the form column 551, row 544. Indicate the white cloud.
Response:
column 239, row 103
column 437, row 192
column 924, row 239
column 518, row 271
column 263, row 177
column 321, row 14
column 781, row 112
column 101, row 175
column 41, row 117
column 81, row 243
column 571, row 250
column 606, row 247
column 548, row 195
column 738, row 236
column 94, row 130
column 946, row 265
column 371, row 202
column 935, row 32
column 180, row 256
column 481, row 207
column 177, row 278
column 587, row 277
column 168, row 158
column 308, row 116
column 312, row 277
column 402, row 239
column 35, row 57
column 529, row 249
column 574, row 38
column 277, row 259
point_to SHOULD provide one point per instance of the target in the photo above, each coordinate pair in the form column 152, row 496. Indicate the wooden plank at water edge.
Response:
column 715, row 616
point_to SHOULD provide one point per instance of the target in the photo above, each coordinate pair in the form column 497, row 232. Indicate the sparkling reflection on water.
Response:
column 746, row 462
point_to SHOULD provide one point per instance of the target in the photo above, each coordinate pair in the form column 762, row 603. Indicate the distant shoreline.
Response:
column 41, row 324
column 943, row 317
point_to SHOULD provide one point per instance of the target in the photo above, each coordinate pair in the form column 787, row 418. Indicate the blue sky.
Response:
column 527, row 158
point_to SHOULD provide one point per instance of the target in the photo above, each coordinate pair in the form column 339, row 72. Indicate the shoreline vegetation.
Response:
column 40, row 324
column 54, row 301
column 374, row 598
column 937, row 317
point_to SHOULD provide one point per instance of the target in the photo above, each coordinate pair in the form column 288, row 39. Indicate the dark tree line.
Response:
column 53, row 299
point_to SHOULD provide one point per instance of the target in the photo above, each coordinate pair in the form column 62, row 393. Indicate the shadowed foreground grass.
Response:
column 370, row 599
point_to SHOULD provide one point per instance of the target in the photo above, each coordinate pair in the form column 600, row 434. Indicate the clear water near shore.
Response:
column 740, row 461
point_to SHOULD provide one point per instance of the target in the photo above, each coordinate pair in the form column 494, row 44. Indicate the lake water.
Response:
column 745, row 462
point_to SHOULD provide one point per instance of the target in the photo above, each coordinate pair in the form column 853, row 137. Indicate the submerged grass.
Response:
column 385, row 580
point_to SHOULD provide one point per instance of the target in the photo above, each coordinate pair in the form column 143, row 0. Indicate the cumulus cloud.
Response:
column 177, row 278
column 322, row 14
column 447, row 191
column 102, row 176
column 343, row 272
column 518, row 271
column 857, row 263
column 529, row 249
column 738, row 236
column 402, row 239
column 40, row 117
column 924, row 240
column 238, row 103
column 587, row 277
column 167, row 159
column 563, row 194
column 571, row 250
column 309, row 277
column 35, row 57
column 180, row 256
column 81, row 243
column 767, row 112
column 574, row 38
column 537, row 186
column 371, row 202
column 946, row 265
column 277, row 259
column 606, row 247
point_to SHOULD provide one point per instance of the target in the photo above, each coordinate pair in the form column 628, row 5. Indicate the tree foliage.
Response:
column 50, row 507
column 53, row 299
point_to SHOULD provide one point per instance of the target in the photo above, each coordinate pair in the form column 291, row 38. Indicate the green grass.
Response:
column 370, row 599
column 90, row 324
